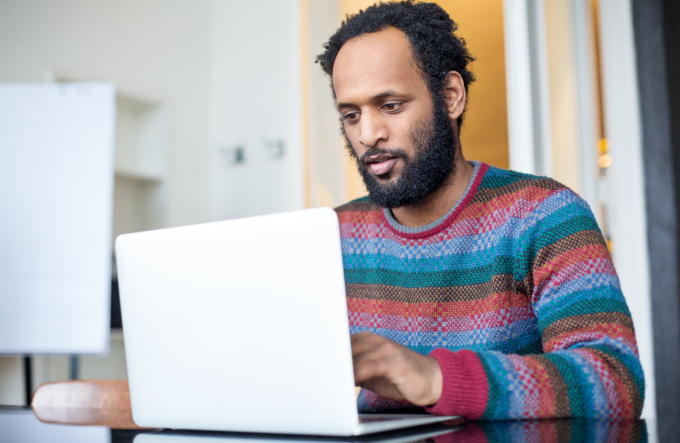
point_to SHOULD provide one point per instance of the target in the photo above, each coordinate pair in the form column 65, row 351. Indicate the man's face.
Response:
column 403, row 144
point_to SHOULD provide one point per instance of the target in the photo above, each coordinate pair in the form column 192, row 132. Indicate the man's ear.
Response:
column 454, row 94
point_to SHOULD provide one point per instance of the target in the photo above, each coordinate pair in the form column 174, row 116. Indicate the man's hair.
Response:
column 436, row 49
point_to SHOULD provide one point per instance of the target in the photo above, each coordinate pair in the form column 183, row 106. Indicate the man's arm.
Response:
column 590, row 366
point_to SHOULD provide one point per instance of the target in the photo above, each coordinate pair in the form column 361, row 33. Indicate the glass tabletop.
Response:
column 20, row 424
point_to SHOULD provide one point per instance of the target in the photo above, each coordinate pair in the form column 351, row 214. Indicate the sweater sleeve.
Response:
column 589, row 366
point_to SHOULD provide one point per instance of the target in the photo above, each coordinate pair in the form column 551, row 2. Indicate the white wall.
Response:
column 526, row 73
column 221, row 71
column 255, row 104
column 11, row 381
column 328, row 158
column 152, row 48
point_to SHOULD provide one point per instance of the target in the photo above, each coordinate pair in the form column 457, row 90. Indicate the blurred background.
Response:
column 221, row 112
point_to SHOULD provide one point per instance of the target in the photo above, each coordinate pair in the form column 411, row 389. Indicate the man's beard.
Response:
column 431, row 166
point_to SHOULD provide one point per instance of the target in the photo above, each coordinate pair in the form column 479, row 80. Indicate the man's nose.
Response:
column 372, row 128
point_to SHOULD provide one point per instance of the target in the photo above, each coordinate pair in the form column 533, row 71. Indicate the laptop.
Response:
column 242, row 326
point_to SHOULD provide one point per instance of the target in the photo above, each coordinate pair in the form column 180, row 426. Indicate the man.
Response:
column 471, row 290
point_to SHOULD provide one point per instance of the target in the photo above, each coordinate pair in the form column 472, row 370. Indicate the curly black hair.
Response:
column 431, row 32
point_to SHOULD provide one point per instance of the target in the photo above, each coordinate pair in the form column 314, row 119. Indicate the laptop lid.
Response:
column 239, row 325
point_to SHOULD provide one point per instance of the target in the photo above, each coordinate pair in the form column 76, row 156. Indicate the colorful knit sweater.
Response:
column 513, row 292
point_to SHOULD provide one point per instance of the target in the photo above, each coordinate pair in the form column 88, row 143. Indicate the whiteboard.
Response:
column 56, row 208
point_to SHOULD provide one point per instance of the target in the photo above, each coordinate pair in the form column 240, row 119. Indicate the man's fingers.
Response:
column 360, row 336
column 382, row 387
column 364, row 341
column 392, row 370
column 367, row 367
column 378, row 361
column 372, row 356
column 373, row 373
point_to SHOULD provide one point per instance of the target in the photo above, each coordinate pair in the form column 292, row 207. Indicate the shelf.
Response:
column 141, row 150
column 145, row 176
column 141, row 137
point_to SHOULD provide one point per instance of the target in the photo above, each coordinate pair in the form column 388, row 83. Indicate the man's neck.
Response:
column 440, row 202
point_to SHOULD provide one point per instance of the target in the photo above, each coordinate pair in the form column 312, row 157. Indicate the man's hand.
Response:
column 392, row 370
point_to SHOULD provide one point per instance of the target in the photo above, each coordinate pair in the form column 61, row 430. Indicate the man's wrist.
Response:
column 436, row 384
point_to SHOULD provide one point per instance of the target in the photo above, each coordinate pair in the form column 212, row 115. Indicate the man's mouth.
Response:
column 381, row 164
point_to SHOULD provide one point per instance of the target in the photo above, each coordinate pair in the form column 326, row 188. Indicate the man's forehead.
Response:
column 374, row 63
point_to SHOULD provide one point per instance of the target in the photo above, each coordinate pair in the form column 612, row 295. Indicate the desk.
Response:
column 19, row 424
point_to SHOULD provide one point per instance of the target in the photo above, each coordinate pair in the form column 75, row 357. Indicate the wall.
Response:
column 562, row 82
column 327, row 161
column 155, row 49
column 485, row 131
column 255, row 104
column 183, row 62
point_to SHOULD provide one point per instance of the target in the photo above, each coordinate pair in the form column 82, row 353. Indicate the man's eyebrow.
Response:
column 388, row 93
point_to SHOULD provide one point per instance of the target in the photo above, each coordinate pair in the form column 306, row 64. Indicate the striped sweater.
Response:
column 513, row 292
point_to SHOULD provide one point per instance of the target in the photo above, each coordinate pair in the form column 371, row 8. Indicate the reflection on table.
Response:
column 19, row 424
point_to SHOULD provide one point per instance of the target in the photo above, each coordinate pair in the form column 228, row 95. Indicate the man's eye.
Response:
column 352, row 116
column 391, row 106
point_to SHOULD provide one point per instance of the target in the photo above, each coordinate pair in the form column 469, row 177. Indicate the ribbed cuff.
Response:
column 465, row 389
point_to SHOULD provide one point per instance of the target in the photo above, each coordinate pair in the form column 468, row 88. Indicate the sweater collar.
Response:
column 438, row 225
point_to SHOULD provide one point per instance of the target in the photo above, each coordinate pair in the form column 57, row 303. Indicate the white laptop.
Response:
column 242, row 326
